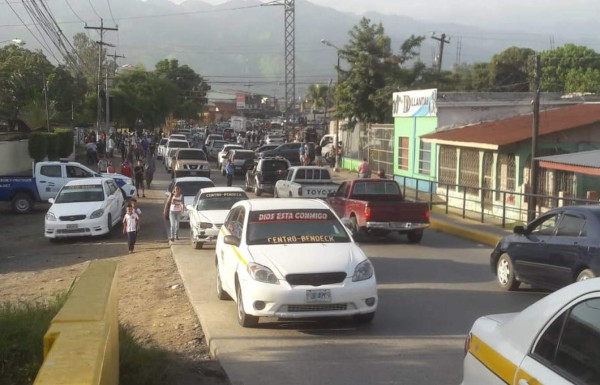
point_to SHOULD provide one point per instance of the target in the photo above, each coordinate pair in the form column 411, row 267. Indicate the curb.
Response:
column 474, row 235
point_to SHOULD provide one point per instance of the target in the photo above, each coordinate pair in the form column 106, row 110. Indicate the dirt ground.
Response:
column 152, row 300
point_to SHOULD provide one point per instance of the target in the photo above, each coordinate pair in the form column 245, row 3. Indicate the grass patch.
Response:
column 22, row 328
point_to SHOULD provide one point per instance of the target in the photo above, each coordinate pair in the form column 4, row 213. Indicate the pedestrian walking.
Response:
column 138, row 172
column 102, row 164
column 302, row 154
column 174, row 209
column 126, row 168
column 364, row 169
column 150, row 168
column 131, row 226
column 229, row 171
column 318, row 155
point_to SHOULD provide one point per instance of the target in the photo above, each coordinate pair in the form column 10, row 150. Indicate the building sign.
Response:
column 240, row 101
column 415, row 103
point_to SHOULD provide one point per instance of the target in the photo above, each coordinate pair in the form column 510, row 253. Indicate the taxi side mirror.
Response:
column 189, row 207
column 231, row 240
column 519, row 230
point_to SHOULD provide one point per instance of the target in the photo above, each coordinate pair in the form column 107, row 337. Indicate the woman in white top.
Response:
column 174, row 207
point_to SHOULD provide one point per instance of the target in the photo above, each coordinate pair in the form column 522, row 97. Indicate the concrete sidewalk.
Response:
column 484, row 233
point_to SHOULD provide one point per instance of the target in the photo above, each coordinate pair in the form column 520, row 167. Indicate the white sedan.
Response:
column 554, row 341
column 208, row 212
column 84, row 207
column 292, row 258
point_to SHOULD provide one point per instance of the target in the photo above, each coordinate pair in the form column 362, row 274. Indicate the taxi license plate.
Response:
column 323, row 295
column 72, row 226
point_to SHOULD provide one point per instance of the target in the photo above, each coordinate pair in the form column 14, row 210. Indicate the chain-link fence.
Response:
column 381, row 147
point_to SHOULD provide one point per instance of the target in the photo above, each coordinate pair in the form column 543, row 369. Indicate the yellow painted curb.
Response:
column 474, row 235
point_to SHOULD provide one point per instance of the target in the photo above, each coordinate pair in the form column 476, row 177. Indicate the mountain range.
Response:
column 239, row 45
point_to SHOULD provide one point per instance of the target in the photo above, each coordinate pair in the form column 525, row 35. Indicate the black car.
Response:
column 558, row 248
column 289, row 151
column 264, row 173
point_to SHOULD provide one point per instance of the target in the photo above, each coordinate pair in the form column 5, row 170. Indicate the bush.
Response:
column 52, row 142
column 66, row 141
column 37, row 146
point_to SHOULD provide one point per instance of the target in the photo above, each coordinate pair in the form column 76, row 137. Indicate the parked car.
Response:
column 377, row 206
column 84, row 207
column 171, row 144
column 288, row 151
column 207, row 213
column 241, row 159
column 266, row 147
column 189, row 185
column 160, row 150
column 305, row 182
column 264, row 173
column 48, row 178
column 190, row 162
column 222, row 155
column 554, row 341
column 291, row 258
column 274, row 139
column 558, row 248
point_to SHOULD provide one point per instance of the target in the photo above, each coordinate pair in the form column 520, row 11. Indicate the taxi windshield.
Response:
column 80, row 193
column 219, row 201
column 294, row 226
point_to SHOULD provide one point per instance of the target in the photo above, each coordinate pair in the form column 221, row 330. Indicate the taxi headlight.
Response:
column 261, row 273
column 50, row 217
column 97, row 214
column 363, row 270
column 205, row 225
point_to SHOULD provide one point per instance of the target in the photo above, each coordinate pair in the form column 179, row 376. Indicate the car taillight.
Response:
column 367, row 212
column 467, row 344
column 427, row 214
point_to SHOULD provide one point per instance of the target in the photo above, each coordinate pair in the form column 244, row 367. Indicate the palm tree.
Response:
column 317, row 97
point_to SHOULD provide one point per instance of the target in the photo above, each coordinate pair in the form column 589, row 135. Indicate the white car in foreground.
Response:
column 292, row 258
column 208, row 212
column 84, row 207
column 554, row 341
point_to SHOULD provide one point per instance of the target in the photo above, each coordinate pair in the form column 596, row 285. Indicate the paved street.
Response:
column 430, row 294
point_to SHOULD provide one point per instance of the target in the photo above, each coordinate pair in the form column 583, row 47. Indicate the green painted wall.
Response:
column 414, row 128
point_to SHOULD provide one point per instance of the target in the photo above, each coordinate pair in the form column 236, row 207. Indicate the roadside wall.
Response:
column 81, row 347
column 14, row 158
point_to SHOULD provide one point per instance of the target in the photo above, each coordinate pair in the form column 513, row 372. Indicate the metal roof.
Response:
column 516, row 129
column 586, row 162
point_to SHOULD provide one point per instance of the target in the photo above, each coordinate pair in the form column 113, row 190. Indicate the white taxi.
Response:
column 84, row 207
column 554, row 341
column 208, row 212
column 292, row 258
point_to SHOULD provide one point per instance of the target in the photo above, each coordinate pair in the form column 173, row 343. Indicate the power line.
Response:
column 31, row 32
column 94, row 9
column 110, row 11
column 75, row 13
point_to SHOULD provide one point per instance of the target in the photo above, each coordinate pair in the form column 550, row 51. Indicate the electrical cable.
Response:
column 94, row 9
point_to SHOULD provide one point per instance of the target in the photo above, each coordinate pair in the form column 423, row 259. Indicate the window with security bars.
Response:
column 447, row 165
column 403, row 154
column 425, row 158
column 505, row 174
column 469, row 170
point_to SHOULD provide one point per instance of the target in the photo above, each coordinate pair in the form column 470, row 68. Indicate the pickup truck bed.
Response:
column 376, row 206
column 305, row 182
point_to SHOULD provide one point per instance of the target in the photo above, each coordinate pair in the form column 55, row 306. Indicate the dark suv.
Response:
column 289, row 151
column 264, row 173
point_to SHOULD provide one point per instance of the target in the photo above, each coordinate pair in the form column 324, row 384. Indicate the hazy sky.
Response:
column 557, row 16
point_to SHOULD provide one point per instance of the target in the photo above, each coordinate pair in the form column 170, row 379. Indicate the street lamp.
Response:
column 18, row 42
column 337, row 118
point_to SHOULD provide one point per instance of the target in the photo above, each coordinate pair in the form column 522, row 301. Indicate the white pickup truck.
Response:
column 305, row 182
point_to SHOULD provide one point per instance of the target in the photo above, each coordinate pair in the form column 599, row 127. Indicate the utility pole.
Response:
column 100, row 43
column 114, row 56
column 442, row 41
column 535, row 129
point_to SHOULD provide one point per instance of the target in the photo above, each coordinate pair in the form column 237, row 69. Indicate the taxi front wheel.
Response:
column 505, row 273
column 246, row 320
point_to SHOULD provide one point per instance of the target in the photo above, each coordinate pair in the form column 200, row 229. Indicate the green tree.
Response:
column 364, row 92
column 22, row 76
column 511, row 70
column 570, row 68
column 141, row 95
column 191, row 88
column 318, row 97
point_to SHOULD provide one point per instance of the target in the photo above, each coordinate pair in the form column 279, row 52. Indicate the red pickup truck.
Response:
column 377, row 206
